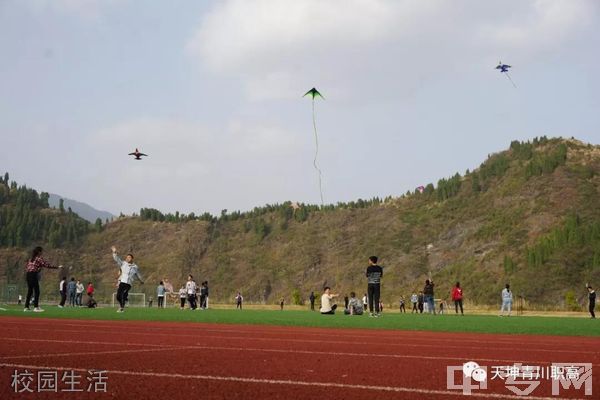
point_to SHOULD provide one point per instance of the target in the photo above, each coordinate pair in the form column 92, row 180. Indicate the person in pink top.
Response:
column 33, row 268
column 457, row 298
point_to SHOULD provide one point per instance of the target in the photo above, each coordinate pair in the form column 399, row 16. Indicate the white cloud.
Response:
column 277, row 48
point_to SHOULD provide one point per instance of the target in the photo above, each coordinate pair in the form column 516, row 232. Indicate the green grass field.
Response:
column 442, row 323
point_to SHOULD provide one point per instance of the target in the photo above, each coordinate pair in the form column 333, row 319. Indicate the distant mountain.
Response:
column 84, row 210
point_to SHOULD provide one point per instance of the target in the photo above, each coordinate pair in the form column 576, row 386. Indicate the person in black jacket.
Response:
column 312, row 301
column 374, row 274
column 592, row 299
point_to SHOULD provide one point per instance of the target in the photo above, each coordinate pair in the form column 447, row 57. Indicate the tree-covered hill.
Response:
column 529, row 215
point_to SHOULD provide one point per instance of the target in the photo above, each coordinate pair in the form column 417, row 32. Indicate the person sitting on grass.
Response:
column 91, row 303
column 355, row 305
column 326, row 307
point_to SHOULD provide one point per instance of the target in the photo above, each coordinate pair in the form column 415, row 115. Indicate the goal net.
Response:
column 133, row 300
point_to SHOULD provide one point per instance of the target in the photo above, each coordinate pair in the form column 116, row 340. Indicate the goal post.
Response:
column 133, row 300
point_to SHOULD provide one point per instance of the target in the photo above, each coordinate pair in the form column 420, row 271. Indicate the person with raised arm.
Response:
column 128, row 271
column 34, row 267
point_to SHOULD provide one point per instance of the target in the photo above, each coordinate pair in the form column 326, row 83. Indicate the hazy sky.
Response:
column 212, row 91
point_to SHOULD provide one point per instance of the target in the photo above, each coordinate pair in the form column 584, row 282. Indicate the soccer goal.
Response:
column 133, row 300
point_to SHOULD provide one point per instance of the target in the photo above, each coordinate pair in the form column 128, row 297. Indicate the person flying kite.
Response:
column 503, row 68
column 314, row 93
column 137, row 154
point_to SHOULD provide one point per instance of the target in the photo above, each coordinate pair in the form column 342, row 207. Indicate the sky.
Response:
column 212, row 92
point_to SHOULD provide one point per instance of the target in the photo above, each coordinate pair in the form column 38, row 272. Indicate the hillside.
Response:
column 529, row 215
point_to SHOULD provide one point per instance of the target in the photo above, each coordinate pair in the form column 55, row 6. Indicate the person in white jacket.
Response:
column 507, row 298
column 128, row 271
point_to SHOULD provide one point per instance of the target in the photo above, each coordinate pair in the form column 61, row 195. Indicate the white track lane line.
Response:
column 236, row 379
column 307, row 352
column 91, row 353
column 465, row 346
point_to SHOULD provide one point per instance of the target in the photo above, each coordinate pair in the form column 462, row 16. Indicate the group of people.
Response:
column 197, row 296
column 426, row 297
column 73, row 290
column 353, row 305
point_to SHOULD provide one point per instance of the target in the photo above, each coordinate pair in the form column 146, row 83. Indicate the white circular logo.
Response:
column 479, row 375
column 469, row 367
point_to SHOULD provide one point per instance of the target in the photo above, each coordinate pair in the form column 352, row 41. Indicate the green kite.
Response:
column 314, row 93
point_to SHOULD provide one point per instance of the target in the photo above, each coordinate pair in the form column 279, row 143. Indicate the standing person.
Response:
column 62, row 289
column 205, row 284
column 507, row 299
column 442, row 306
column 20, row 300
column 312, row 301
column 428, row 293
column 190, row 288
column 457, row 297
column 79, row 288
column 402, row 306
column 346, row 302
column 326, row 307
column 160, row 294
column 204, row 295
column 182, row 296
column 365, row 300
column 33, row 268
column 238, row 301
column 592, row 299
column 281, row 302
column 374, row 274
column 421, row 301
column 128, row 271
column 90, row 289
column 71, row 288
column 413, row 299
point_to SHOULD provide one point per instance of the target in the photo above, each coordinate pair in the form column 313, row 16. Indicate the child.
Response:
column 182, row 296
column 413, row 299
column 441, row 306
column 281, row 303
column 402, row 307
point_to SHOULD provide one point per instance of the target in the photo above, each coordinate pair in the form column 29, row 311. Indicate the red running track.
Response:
column 177, row 361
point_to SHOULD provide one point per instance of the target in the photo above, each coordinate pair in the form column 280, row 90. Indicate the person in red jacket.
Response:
column 457, row 297
column 90, row 289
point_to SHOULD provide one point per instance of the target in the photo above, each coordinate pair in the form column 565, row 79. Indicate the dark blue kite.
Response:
column 503, row 68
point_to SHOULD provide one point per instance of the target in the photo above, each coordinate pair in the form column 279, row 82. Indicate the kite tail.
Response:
column 317, row 153
column 511, row 81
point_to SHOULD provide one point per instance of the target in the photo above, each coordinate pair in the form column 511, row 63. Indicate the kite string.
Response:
column 511, row 81
column 317, row 152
